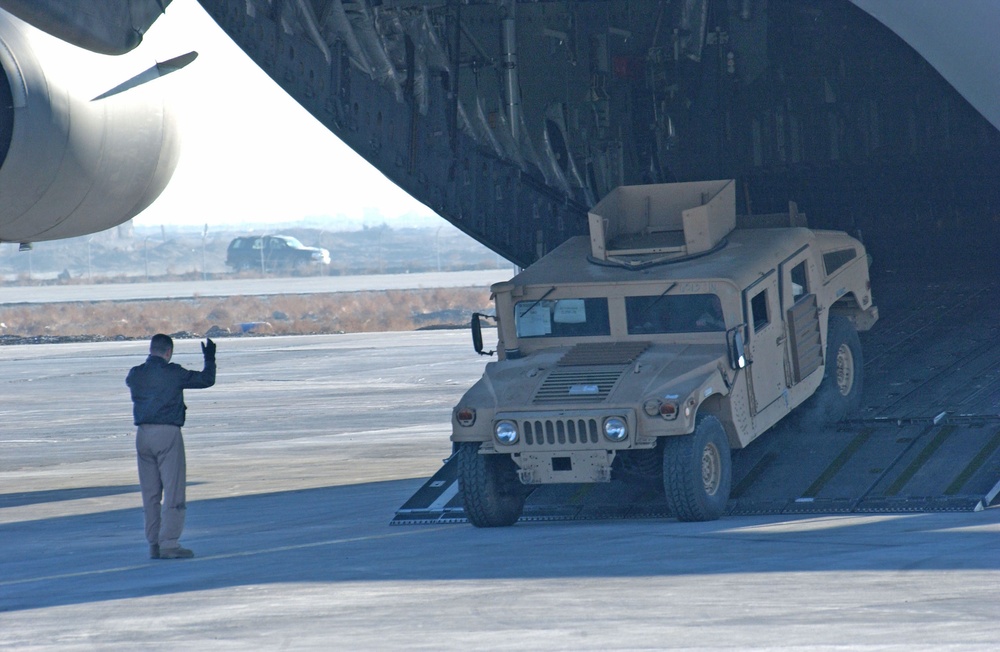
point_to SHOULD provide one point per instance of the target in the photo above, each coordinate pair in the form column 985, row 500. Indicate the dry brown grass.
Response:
column 284, row 314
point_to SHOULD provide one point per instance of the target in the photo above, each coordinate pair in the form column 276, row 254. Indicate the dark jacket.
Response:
column 157, row 389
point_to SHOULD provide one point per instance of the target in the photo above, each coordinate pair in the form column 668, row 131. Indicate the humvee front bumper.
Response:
column 557, row 446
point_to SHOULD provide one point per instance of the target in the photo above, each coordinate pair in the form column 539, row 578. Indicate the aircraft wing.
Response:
column 958, row 39
column 104, row 26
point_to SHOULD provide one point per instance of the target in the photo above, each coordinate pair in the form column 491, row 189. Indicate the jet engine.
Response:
column 83, row 147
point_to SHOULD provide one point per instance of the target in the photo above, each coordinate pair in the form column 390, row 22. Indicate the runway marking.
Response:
column 231, row 555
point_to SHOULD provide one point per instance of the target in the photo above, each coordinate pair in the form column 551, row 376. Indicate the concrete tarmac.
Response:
column 297, row 460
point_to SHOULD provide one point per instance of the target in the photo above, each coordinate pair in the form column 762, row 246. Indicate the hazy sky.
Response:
column 250, row 152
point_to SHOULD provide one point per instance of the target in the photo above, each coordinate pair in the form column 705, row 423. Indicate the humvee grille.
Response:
column 553, row 431
column 575, row 386
column 558, row 430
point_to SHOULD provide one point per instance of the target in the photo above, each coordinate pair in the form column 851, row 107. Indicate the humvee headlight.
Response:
column 506, row 432
column 465, row 416
column 615, row 428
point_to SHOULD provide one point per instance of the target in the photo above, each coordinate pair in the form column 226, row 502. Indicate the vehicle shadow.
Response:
column 342, row 534
column 23, row 499
column 26, row 498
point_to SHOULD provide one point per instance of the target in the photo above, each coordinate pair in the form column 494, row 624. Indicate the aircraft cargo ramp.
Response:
column 927, row 438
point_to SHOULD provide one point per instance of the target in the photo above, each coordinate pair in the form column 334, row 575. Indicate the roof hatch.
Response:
column 636, row 225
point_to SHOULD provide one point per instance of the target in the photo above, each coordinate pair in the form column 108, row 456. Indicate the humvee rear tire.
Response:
column 491, row 492
column 839, row 394
column 697, row 472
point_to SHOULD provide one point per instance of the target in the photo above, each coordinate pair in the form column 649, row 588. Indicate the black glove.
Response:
column 208, row 349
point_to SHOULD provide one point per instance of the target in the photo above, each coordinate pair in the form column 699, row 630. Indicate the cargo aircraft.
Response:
column 510, row 118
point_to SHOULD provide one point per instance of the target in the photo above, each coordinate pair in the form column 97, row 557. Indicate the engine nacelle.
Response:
column 76, row 158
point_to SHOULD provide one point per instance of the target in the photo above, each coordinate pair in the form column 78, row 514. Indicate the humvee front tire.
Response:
column 697, row 472
column 491, row 492
column 839, row 394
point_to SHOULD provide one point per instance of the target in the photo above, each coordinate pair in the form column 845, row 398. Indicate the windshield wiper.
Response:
column 655, row 301
column 539, row 300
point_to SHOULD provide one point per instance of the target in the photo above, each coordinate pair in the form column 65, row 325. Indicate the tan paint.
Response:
column 693, row 247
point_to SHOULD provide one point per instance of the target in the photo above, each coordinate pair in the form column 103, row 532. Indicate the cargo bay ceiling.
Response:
column 510, row 118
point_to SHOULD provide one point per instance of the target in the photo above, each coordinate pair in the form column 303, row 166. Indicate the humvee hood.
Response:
column 602, row 374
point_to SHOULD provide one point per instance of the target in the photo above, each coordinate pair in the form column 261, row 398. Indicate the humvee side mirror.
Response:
column 477, row 333
column 737, row 347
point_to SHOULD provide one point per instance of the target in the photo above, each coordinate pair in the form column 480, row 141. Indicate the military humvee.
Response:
column 677, row 332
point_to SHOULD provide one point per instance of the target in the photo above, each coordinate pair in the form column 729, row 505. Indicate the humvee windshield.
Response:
column 562, row 318
column 677, row 313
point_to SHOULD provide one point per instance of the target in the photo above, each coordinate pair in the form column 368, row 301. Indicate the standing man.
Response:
column 158, row 410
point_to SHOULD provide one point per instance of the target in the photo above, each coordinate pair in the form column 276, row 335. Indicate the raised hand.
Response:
column 208, row 349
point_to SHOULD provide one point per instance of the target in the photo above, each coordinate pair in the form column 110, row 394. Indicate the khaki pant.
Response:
column 162, row 475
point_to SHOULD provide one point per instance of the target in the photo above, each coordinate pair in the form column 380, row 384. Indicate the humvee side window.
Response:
column 676, row 313
column 562, row 318
column 800, row 283
column 834, row 260
column 758, row 306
